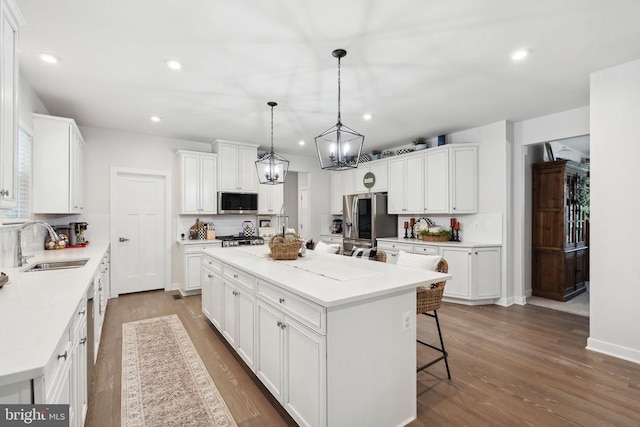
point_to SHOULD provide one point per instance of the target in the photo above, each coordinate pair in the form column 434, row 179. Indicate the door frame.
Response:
column 115, row 171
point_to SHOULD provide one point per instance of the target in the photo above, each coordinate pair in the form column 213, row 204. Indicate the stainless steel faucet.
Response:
column 20, row 259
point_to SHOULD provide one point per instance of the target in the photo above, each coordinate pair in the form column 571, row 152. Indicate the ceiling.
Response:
column 420, row 67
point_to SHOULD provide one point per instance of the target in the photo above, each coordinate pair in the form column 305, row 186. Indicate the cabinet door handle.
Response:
column 279, row 324
column 83, row 340
column 283, row 325
column 235, row 276
column 60, row 356
column 281, row 300
column 4, row 192
column 123, row 239
column 209, row 275
column 80, row 313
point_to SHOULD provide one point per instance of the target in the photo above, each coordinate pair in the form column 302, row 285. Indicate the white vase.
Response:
column 420, row 146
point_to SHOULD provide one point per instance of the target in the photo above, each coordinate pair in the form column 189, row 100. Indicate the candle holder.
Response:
column 406, row 228
column 413, row 232
column 455, row 236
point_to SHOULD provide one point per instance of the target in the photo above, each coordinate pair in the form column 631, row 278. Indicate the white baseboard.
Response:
column 520, row 300
column 621, row 352
column 504, row 302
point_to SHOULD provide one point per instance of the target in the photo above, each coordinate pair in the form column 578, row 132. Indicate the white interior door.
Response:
column 139, row 230
column 304, row 213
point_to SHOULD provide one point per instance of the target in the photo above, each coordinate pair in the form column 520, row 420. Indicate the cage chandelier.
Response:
column 272, row 168
column 339, row 147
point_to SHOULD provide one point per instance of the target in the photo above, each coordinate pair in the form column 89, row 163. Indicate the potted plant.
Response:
column 375, row 154
column 435, row 236
column 420, row 143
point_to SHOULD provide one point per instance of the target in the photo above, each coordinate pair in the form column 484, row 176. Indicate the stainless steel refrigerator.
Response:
column 365, row 218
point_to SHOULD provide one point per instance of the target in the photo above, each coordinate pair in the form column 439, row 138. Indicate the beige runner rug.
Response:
column 164, row 382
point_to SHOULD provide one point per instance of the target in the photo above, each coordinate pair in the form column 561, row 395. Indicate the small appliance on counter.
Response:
column 76, row 234
column 336, row 226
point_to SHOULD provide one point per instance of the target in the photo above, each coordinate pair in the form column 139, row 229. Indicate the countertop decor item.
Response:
column 364, row 158
column 375, row 154
column 435, row 236
column 420, row 143
column 272, row 168
column 387, row 153
column 404, row 151
column 285, row 247
column 339, row 147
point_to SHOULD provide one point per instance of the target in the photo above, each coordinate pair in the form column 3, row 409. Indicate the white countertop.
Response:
column 453, row 244
column 36, row 308
column 327, row 279
column 198, row 242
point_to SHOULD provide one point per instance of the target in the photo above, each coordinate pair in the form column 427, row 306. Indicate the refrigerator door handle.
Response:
column 355, row 230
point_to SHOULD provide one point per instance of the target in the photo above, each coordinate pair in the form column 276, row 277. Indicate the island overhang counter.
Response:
column 333, row 338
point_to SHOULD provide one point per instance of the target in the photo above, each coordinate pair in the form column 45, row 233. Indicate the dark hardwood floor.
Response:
column 518, row 365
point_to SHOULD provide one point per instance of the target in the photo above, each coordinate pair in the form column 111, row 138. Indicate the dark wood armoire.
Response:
column 559, row 233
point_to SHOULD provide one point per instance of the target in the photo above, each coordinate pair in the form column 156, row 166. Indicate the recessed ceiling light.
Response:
column 173, row 64
column 156, row 119
column 301, row 142
column 48, row 58
column 519, row 55
column 367, row 116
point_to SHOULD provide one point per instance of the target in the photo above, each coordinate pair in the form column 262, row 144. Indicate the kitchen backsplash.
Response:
column 484, row 227
column 226, row 225
column 32, row 239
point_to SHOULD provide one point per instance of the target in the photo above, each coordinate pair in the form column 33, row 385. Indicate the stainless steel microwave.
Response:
column 237, row 203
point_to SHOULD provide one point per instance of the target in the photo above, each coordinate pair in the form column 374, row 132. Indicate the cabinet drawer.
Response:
column 199, row 248
column 425, row 250
column 407, row 247
column 302, row 310
column 212, row 264
column 239, row 277
column 79, row 318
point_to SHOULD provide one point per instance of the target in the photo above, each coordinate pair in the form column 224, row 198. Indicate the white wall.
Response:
column 615, row 149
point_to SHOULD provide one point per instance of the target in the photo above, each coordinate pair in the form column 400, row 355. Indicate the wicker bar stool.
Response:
column 428, row 300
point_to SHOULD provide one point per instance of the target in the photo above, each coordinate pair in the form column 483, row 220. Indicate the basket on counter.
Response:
column 435, row 238
column 284, row 249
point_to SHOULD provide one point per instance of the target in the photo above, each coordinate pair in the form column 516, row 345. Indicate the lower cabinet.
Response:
column 291, row 362
column 239, row 320
column 476, row 271
column 212, row 291
column 191, row 263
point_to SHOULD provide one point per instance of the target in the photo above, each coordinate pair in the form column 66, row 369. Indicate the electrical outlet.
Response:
column 406, row 321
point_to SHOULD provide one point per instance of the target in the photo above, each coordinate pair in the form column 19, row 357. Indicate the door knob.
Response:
column 124, row 239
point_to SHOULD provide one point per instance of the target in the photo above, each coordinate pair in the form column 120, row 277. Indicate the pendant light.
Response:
column 339, row 147
column 272, row 168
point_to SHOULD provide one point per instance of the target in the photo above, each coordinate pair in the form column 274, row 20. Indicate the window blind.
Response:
column 23, row 206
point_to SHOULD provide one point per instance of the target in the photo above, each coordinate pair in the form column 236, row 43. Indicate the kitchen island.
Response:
column 331, row 337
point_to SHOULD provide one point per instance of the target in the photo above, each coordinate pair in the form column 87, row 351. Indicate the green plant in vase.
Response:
column 375, row 154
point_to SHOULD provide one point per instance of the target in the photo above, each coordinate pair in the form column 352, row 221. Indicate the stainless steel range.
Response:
column 229, row 241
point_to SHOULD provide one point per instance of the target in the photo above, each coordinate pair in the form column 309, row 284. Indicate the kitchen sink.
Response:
column 57, row 265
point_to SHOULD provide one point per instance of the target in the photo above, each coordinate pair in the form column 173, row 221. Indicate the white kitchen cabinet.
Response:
column 342, row 182
column 406, row 184
column 212, row 291
column 475, row 271
column 57, row 165
column 191, row 264
column 464, row 178
column 237, row 166
column 436, row 181
column 291, row 362
column 270, row 199
column 378, row 169
column 198, row 182
column 239, row 313
column 11, row 19
column 101, row 291
column 392, row 249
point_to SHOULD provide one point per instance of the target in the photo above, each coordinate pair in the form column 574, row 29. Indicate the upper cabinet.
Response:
column 10, row 22
column 342, row 183
column 57, row 165
column 237, row 171
column 378, row 171
column 441, row 180
column 270, row 199
column 198, row 182
column 464, row 178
